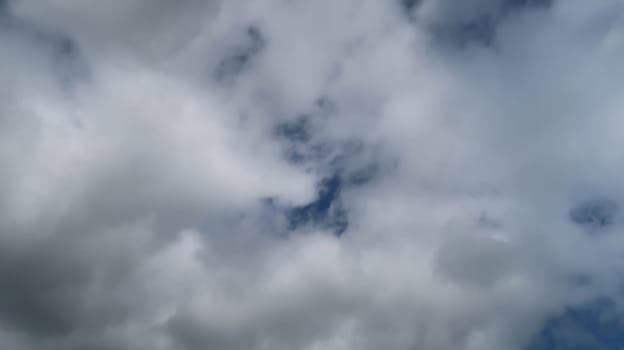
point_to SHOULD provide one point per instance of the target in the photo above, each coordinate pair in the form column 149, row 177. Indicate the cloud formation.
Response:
column 336, row 175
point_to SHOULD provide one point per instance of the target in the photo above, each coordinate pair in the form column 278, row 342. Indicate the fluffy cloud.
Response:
column 307, row 175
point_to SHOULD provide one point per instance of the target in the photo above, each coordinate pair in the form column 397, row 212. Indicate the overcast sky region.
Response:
column 312, row 175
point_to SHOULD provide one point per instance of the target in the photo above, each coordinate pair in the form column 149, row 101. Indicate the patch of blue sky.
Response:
column 595, row 326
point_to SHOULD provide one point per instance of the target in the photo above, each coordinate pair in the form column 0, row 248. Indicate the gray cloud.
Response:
column 307, row 175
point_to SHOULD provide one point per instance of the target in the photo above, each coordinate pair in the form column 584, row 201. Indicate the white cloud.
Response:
column 134, row 200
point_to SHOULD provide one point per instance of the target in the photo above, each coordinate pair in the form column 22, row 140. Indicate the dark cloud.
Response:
column 240, row 57
column 595, row 214
column 476, row 23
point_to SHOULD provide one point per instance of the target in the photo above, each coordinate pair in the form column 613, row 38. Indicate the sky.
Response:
column 311, row 175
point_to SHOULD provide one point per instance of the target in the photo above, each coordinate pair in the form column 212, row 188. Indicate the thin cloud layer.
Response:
column 336, row 175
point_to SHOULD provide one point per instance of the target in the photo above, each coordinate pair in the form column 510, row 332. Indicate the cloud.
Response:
column 308, row 175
